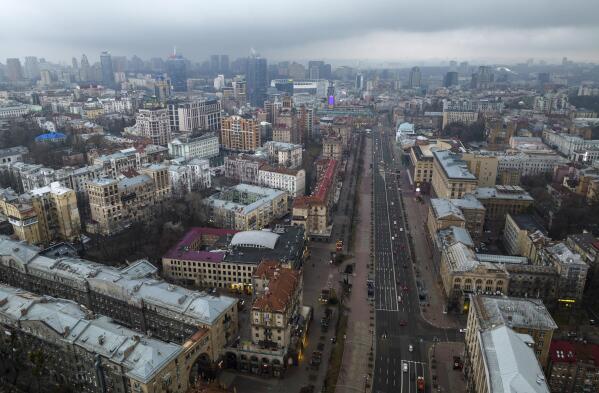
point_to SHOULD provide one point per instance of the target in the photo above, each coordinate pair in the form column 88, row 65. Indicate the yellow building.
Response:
column 483, row 166
column 500, row 201
column 443, row 214
column 421, row 157
column 44, row 215
column 451, row 176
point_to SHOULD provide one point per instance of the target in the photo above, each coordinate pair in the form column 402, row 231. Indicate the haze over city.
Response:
column 429, row 31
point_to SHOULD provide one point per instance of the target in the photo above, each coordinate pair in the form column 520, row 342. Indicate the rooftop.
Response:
column 563, row 253
column 453, row 166
column 282, row 283
column 511, row 363
column 444, row 207
column 135, row 284
column 562, row 351
column 468, row 202
column 140, row 356
column 502, row 192
column 195, row 247
column 229, row 199
column 524, row 313
column 255, row 239
column 528, row 222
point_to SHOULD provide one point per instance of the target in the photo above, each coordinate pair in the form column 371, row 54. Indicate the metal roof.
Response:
column 256, row 239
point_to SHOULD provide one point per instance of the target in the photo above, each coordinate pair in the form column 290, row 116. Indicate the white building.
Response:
column 291, row 180
column 529, row 164
column 568, row 144
column 154, row 124
column 204, row 146
column 113, row 105
column 285, row 154
column 190, row 176
column 196, row 115
column 12, row 154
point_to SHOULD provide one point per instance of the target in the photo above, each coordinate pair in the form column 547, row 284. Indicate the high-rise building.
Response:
column 415, row 77
column 318, row 69
column 194, row 116
column 359, row 82
column 154, row 124
column 240, row 133
column 107, row 70
column 32, row 69
column 74, row 63
column 215, row 64
column 483, row 78
column 14, row 72
column 224, row 64
column 257, row 80
column 451, row 79
column 84, row 72
column 177, row 71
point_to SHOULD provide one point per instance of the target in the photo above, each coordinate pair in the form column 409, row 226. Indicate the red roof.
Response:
column 562, row 351
column 184, row 250
column 322, row 187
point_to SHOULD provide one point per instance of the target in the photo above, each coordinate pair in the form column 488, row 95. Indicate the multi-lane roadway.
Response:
column 402, row 336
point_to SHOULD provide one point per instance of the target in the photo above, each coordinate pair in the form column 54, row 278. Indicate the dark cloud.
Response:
column 304, row 29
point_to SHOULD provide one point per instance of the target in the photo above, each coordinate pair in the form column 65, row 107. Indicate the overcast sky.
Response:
column 391, row 30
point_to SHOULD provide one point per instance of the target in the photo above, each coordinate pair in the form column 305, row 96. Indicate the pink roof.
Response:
column 183, row 251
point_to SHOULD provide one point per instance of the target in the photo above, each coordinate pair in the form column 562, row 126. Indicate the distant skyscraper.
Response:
column 318, row 69
column 84, row 71
column 224, row 64
column 483, row 79
column 46, row 78
column 74, row 63
column 359, row 82
column 415, row 77
column 119, row 63
column 451, row 79
column 107, row 70
column 177, row 71
column 257, row 80
column 453, row 65
column 14, row 72
column 215, row 64
column 32, row 68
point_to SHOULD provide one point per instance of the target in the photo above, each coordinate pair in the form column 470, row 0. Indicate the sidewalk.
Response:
column 358, row 360
column 432, row 310
column 440, row 359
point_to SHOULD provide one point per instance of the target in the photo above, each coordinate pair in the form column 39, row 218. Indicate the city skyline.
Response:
column 382, row 31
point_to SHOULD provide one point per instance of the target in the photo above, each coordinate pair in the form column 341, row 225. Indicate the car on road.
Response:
column 405, row 367
column 463, row 330
column 402, row 323
column 410, row 348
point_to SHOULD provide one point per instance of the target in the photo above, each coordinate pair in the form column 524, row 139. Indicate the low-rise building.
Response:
column 13, row 154
column 188, row 176
column 243, row 168
column 226, row 258
column 500, row 201
column 244, row 207
column 529, row 164
column 133, row 296
column 498, row 358
column 451, row 177
column 313, row 212
column 189, row 147
column 291, row 180
column 474, row 214
column 483, row 166
column 332, row 147
column 284, row 154
column 573, row 366
column 89, row 353
column 421, row 157
column 443, row 214
column 516, row 234
column 527, row 316
column 571, row 268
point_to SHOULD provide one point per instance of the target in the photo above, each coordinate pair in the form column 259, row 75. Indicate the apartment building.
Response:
column 226, row 258
column 459, row 116
column 451, row 176
column 13, row 154
column 291, row 180
column 421, row 158
column 195, row 115
column 117, row 203
column 474, row 214
column 188, row 176
column 516, row 234
column 284, row 154
column 332, row 147
column 44, row 215
column 572, row 270
column 131, row 158
column 443, row 214
column 313, row 212
column 133, row 296
column 573, row 366
column 244, row 207
column 243, row 168
column 529, row 164
column 240, row 134
column 89, row 353
column 153, row 124
column 189, row 147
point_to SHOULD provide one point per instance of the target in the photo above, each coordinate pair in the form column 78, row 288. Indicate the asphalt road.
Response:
column 399, row 325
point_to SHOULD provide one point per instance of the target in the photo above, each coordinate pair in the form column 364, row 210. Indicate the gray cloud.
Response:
column 303, row 29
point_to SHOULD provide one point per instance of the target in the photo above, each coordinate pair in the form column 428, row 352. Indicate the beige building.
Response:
column 462, row 274
column 443, row 214
column 421, row 157
column 278, row 299
column 517, row 235
column 240, row 134
column 116, row 204
column 451, row 176
column 483, row 166
column 523, row 315
column 244, row 207
column 474, row 214
column 155, row 125
column 43, row 215
column 332, row 148
column 463, row 117
column 499, row 358
column 500, row 201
